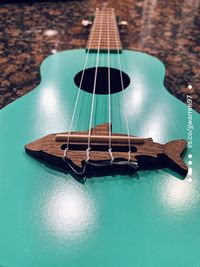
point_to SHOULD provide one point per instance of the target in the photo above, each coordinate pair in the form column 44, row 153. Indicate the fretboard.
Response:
column 104, row 35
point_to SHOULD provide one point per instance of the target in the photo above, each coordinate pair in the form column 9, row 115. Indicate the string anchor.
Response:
column 111, row 156
column 88, row 154
column 65, row 152
column 129, row 155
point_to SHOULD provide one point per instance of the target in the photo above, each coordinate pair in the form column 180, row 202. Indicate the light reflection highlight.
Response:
column 69, row 213
column 54, row 51
column 156, row 127
column 48, row 99
column 178, row 195
column 51, row 116
column 50, row 32
column 138, row 95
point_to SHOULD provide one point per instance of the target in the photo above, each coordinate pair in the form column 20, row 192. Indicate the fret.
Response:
column 103, row 40
column 105, row 25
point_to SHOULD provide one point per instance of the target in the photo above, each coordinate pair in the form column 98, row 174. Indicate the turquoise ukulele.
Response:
column 144, row 209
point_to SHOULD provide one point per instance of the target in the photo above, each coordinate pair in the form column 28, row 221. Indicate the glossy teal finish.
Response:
column 49, row 219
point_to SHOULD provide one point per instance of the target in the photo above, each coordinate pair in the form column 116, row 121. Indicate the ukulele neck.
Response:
column 104, row 35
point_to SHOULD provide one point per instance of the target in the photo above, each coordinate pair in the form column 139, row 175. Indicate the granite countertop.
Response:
column 29, row 32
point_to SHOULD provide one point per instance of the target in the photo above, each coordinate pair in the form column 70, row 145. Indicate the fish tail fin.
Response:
column 173, row 151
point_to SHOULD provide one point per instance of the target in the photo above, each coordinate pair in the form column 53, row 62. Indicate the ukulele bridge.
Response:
column 129, row 153
column 98, row 147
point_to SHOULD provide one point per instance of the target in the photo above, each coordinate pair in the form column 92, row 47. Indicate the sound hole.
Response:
column 102, row 80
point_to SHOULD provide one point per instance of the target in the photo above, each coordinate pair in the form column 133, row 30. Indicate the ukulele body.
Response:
column 48, row 219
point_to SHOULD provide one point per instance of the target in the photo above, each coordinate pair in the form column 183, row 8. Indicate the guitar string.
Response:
column 109, row 89
column 80, row 84
column 94, row 89
column 122, row 86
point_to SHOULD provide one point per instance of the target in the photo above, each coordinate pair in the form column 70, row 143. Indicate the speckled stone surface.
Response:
column 168, row 30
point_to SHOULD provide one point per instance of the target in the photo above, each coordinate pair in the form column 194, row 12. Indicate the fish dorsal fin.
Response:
column 101, row 129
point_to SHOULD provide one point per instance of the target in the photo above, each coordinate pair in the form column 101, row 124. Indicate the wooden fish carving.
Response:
column 144, row 154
